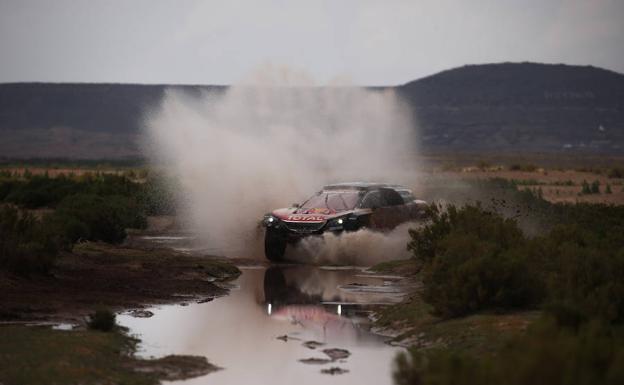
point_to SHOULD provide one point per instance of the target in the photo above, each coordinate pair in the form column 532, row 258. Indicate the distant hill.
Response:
column 491, row 107
column 65, row 120
column 520, row 107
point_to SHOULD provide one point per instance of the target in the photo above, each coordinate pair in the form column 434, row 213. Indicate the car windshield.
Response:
column 333, row 200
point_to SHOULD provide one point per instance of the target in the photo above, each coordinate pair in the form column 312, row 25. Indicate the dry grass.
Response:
column 556, row 185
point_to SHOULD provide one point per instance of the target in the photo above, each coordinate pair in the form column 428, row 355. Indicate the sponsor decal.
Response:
column 305, row 218
column 325, row 211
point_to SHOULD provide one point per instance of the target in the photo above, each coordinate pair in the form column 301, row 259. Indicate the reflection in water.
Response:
column 239, row 332
column 319, row 300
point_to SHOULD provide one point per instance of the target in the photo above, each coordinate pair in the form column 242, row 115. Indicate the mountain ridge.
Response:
column 482, row 107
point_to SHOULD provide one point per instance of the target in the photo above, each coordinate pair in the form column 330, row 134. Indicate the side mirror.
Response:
column 296, row 205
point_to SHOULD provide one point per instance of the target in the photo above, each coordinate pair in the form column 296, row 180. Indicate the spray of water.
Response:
column 241, row 153
column 359, row 248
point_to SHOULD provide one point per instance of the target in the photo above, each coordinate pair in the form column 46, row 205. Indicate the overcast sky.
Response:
column 368, row 42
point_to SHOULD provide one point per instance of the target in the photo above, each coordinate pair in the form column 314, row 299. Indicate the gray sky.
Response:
column 367, row 42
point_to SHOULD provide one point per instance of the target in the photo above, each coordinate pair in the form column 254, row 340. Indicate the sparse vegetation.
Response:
column 96, row 218
column 95, row 207
column 472, row 260
column 29, row 191
column 475, row 261
column 593, row 188
column 26, row 244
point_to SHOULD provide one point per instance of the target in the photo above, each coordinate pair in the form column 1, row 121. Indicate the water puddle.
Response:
column 279, row 325
column 184, row 242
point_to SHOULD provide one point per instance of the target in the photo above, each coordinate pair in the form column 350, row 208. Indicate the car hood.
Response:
column 307, row 215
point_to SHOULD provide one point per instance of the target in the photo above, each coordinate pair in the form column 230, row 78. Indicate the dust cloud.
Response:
column 272, row 141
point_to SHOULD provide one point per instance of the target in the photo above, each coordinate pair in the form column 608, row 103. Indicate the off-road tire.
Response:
column 274, row 246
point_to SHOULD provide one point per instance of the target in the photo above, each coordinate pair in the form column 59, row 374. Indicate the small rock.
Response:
column 315, row 361
column 334, row 370
column 312, row 344
column 139, row 313
column 208, row 299
column 175, row 368
column 285, row 338
column 337, row 354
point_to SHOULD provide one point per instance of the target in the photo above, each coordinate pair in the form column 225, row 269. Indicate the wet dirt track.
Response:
column 283, row 324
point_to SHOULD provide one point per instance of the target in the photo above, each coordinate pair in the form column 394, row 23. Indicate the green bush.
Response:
column 472, row 259
column 42, row 191
column 153, row 197
column 573, row 268
column 102, row 320
column 89, row 207
column 582, row 270
column 548, row 354
column 26, row 245
column 96, row 218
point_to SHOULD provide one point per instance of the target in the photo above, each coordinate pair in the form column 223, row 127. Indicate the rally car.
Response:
column 337, row 208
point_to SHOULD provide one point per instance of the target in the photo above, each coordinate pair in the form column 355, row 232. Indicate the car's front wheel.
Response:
column 274, row 246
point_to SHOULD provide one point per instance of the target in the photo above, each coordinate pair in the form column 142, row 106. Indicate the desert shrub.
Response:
column 595, row 187
column 472, row 259
column 548, row 354
column 154, row 197
column 40, row 191
column 26, row 245
column 96, row 218
column 43, row 191
column 475, row 259
column 102, row 320
column 585, row 189
column 582, row 270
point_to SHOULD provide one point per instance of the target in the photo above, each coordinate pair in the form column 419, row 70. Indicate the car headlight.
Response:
column 335, row 224
column 270, row 220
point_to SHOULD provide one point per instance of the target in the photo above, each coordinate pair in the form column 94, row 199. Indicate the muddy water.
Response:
column 258, row 333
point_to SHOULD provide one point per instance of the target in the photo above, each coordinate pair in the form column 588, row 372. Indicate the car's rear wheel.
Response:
column 274, row 246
